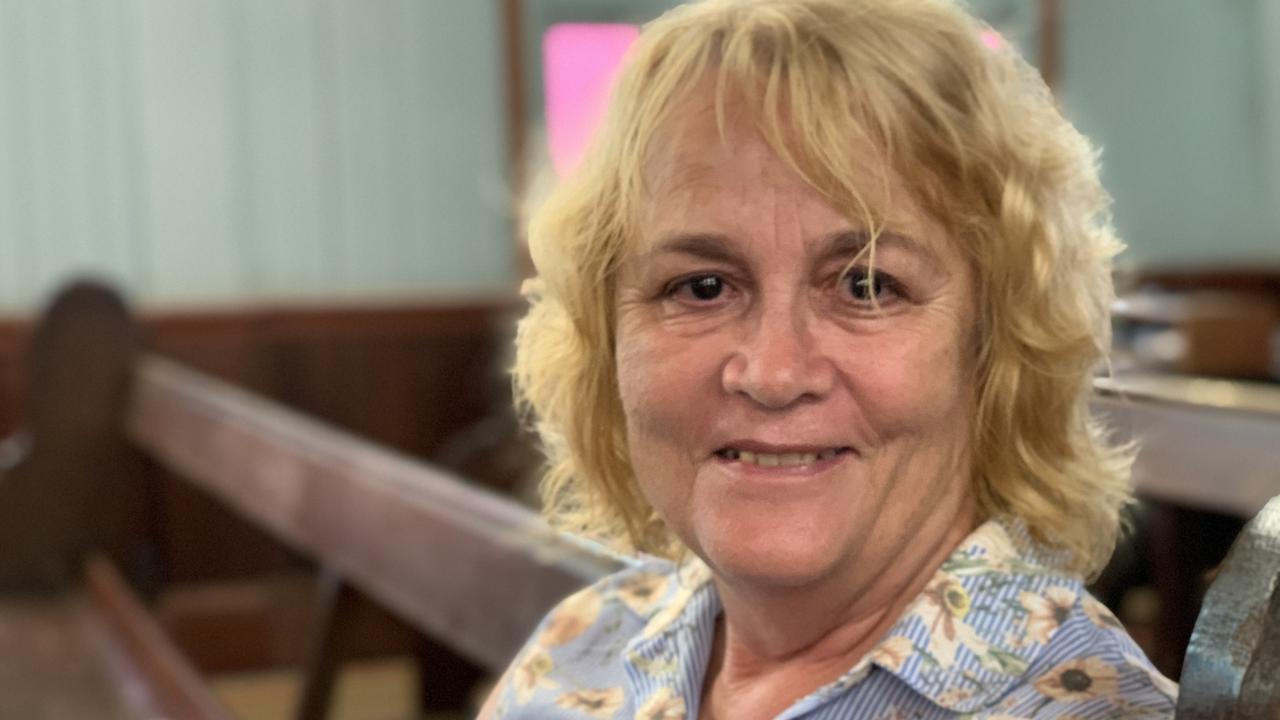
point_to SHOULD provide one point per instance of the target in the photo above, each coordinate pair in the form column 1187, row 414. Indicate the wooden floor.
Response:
column 47, row 667
column 382, row 689
column 51, row 668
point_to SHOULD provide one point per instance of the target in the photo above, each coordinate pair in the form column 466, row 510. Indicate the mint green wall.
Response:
column 1183, row 97
column 202, row 151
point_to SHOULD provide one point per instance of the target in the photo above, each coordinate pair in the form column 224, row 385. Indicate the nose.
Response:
column 780, row 362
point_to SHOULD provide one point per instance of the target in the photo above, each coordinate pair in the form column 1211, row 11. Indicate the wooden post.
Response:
column 78, row 486
column 328, row 641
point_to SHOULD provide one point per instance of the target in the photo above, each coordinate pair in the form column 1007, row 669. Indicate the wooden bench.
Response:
column 462, row 565
column 467, row 567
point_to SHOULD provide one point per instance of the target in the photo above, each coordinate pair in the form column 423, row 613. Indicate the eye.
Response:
column 700, row 287
column 866, row 287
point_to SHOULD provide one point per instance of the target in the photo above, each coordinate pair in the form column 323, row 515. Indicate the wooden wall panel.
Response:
column 406, row 376
column 13, row 342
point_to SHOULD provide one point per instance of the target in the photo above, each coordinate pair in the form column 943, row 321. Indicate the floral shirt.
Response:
column 997, row 633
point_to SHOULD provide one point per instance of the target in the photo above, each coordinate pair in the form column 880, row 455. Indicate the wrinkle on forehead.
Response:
column 687, row 158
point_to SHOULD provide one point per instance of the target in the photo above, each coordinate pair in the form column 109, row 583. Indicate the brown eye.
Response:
column 703, row 287
column 867, row 287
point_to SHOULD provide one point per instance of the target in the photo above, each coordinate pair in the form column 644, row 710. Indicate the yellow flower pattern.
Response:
column 1079, row 679
column 572, row 618
column 892, row 652
column 600, row 704
column 1047, row 611
column 531, row 674
column 664, row 705
column 642, row 591
column 998, row 632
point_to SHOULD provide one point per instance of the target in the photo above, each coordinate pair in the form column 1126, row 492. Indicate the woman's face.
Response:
column 786, row 429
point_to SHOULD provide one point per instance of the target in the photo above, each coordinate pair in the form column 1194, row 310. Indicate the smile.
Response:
column 783, row 459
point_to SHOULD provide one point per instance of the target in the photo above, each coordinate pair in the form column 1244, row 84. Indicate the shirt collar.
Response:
column 980, row 622
column 982, row 619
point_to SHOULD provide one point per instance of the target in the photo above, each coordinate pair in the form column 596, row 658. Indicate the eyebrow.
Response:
column 852, row 242
column 707, row 246
column 717, row 247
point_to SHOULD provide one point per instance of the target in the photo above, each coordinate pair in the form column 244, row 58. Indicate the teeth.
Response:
column 778, row 459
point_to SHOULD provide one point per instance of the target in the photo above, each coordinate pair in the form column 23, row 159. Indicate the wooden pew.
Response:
column 466, row 567
column 461, row 564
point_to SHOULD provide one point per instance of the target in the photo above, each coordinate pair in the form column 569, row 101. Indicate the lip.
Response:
column 756, row 472
column 757, row 446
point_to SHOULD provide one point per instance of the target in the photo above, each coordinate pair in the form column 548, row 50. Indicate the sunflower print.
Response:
column 664, row 705
column 999, row 631
column 1046, row 611
column 1079, row 679
column 572, row 618
column 642, row 592
column 599, row 704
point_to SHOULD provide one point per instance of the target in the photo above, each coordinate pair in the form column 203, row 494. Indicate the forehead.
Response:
column 697, row 170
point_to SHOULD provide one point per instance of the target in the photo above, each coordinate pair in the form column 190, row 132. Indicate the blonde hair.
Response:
column 971, row 130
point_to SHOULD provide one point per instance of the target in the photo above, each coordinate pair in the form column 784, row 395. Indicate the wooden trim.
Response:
column 1051, row 42
column 517, row 107
column 303, row 321
column 465, row 566
column 152, row 672
column 513, row 32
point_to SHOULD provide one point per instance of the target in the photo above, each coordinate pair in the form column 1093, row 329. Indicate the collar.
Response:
column 981, row 621
column 963, row 643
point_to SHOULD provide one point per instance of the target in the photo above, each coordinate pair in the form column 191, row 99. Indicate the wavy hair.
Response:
column 971, row 130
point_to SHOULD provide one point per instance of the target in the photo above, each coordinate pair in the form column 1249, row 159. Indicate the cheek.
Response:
column 659, row 382
column 667, row 387
column 639, row 380
column 912, row 385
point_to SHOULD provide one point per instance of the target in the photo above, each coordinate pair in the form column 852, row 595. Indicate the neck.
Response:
column 783, row 643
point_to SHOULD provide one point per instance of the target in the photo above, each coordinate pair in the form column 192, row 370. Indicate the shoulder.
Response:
column 1091, row 668
column 1014, row 634
column 574, row 659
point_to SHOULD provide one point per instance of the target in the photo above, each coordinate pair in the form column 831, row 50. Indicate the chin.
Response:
column 777, row 558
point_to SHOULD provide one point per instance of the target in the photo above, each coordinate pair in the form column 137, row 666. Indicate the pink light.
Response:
column 579, row 63
column 993, row 39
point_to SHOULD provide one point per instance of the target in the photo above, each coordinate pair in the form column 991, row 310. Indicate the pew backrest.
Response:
column 467, row 567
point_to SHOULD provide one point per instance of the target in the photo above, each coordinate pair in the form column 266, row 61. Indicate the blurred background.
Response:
column 317, row 200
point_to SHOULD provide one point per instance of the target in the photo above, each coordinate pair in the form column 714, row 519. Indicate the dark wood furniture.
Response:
column 77, row 531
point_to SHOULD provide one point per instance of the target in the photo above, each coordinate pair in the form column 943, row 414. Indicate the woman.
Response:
column 812, row 339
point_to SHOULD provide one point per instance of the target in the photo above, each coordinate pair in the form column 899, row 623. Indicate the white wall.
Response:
column 200, row 151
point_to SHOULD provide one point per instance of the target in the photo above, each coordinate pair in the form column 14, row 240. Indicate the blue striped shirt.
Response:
column 999, row 632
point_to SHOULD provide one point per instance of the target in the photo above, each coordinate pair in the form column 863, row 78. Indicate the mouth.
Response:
column 798, row 457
